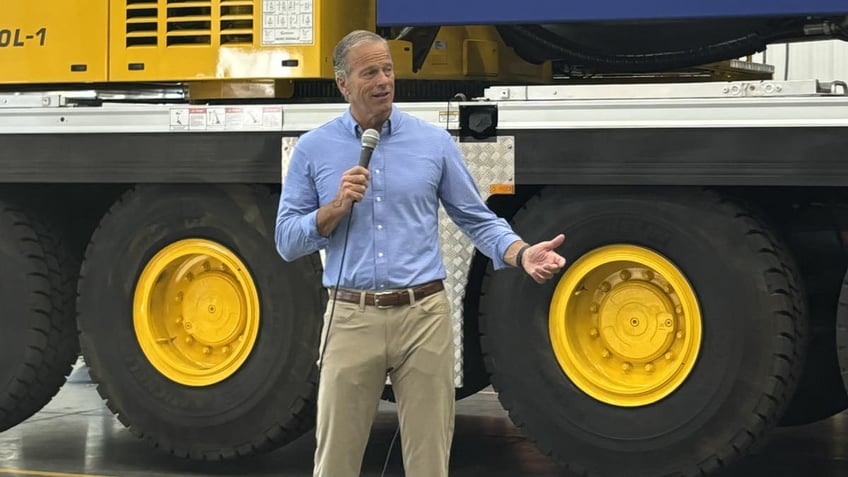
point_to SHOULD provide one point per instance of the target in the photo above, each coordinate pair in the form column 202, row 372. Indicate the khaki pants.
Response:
column 413, row 344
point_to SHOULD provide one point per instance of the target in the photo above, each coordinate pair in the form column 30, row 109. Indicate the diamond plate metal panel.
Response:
column 490, row 163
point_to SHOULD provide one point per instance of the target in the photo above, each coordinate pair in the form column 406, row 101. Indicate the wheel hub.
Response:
column 625, row 325
column 196, row 312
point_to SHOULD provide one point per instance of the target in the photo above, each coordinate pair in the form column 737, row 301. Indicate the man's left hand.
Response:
column 541, row 262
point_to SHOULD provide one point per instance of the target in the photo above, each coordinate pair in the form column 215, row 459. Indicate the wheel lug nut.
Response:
column 626, row 367
column 207, row 350
column 649, row 367
column 605, row 287
column 594, row 308
column 649, row 275
column 668, row 356
column 225, row 350
column 625, row 275
column 189, row 340
column 189, row 276
column 593, row 332
column 678, row 309
column 605, row 353
column 179, row 296
column 680, row 335
column 205, row 266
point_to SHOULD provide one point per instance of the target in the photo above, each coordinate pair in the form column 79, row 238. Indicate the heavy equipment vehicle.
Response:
column 143, row 144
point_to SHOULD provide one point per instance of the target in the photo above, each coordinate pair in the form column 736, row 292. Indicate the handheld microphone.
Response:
column 370, row 138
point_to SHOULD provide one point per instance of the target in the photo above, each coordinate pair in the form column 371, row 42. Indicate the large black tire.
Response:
column 750, row 353
column 38, row 338
column 842, row 332
column 269, row 399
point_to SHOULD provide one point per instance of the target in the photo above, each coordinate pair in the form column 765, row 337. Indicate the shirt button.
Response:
column 383, row 285
column 379, row 198
column 379, row 227
column 377, row 171
column 380, row 254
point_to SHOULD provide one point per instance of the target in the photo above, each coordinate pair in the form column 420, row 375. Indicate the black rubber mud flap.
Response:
column 747, row 363
column 38, row 335
column 270, row 399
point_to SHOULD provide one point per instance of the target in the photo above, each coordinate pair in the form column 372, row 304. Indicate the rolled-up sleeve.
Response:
column 296, row 231
column 491, row 234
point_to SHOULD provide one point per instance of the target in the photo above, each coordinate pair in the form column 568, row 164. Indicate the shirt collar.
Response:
column 389, row 127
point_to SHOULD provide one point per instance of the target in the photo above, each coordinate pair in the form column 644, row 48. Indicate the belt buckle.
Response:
column 377, row 300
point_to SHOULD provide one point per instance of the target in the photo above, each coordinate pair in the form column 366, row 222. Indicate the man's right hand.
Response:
column 352, row 187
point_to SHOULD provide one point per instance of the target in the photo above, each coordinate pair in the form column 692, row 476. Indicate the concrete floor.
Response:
column 75, row 435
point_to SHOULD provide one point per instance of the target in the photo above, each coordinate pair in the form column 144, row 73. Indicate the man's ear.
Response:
column 342, row 84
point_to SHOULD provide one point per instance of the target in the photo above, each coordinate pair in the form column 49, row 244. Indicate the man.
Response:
column 392, row 245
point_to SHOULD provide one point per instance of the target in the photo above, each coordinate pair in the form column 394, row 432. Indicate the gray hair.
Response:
column 352, row 40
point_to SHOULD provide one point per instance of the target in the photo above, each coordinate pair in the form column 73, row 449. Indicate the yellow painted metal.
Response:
column 196, row 312
column 53, row 41
column 157, row 40
column 473, row 53
column 234, row 89
column 625, row 325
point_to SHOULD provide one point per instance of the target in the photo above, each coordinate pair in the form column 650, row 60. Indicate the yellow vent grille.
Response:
column 236, row 22
column 175, row 23
column 142, row 23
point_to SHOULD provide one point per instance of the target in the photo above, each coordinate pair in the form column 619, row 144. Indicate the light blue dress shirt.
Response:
column 394, row 234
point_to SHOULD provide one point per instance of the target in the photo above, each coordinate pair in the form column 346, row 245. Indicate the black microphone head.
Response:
column 370, row 138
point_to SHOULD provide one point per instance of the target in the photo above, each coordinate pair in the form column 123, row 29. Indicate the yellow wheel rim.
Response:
column 625, row 325
column 196, row 312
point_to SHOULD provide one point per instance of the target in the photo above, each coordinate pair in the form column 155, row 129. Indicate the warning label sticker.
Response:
column 227, row 118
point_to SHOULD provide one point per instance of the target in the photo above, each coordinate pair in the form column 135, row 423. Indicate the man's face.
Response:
column 370, row 83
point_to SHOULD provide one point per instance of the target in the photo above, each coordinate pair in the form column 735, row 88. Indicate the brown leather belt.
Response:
column 390, row 298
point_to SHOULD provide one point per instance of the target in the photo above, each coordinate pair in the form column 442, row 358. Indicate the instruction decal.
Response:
column 227, row 118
